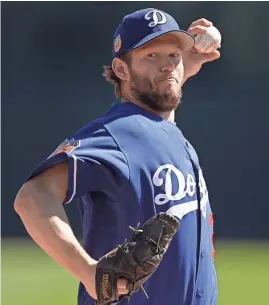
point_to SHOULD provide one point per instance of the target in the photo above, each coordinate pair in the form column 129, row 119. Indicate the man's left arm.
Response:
column 192, row 60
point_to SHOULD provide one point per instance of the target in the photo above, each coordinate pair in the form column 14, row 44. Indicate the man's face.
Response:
column 156, row 74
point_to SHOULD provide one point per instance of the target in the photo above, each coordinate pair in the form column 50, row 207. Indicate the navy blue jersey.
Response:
column 126, row 167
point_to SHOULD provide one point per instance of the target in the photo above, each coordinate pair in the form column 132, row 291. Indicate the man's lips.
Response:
column 170, row 78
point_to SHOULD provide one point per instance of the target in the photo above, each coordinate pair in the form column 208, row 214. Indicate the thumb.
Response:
column 210, row 56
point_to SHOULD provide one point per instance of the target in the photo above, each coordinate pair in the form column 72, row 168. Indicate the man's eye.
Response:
column 152, row 55
column 175, row 55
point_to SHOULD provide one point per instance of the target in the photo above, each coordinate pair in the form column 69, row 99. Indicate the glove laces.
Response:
column 138, row 231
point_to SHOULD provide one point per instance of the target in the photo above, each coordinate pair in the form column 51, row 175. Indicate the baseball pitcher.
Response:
column 147, row 220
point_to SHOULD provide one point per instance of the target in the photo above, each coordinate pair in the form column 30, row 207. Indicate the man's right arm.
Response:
column 39, row 205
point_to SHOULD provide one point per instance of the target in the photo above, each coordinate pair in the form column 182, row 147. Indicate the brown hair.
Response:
column 111, row 77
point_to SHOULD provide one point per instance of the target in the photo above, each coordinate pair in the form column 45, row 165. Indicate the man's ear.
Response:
column 120, row 68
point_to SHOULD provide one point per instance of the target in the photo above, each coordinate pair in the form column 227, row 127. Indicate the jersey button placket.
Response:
column 200, row 292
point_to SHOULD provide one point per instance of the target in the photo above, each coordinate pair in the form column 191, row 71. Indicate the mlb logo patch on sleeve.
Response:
column 67, row 146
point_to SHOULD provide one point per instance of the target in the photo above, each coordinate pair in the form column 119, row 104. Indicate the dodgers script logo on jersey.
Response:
column 186, row 188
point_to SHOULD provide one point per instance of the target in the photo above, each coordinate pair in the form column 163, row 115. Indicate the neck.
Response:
column 168, row 115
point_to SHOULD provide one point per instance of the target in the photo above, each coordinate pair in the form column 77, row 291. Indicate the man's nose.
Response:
column 169, row 64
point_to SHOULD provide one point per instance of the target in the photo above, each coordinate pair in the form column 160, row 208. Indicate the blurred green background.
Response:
column 31, row 278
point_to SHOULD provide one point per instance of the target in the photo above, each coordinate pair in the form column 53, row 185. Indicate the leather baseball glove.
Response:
column 135, row 260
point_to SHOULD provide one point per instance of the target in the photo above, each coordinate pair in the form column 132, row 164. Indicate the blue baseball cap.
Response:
column 145, row 25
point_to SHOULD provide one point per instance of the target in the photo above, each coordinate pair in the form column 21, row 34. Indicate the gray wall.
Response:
column 52, row 57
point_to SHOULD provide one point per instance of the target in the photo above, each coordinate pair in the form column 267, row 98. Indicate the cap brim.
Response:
column 186, row 40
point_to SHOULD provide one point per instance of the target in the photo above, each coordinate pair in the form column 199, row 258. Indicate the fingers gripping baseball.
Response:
column 198, row 29
column 199, row 26
column 202, row 21
column 207, row 43
column 207, row 37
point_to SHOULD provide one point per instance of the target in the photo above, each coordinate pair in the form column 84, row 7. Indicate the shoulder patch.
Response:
column 66, row 146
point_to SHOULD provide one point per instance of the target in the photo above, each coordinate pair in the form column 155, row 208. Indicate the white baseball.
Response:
column 209, row 41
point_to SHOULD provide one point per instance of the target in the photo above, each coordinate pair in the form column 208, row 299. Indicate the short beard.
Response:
column 143, row 91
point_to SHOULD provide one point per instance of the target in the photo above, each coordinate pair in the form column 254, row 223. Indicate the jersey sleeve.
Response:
column 95, row 163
